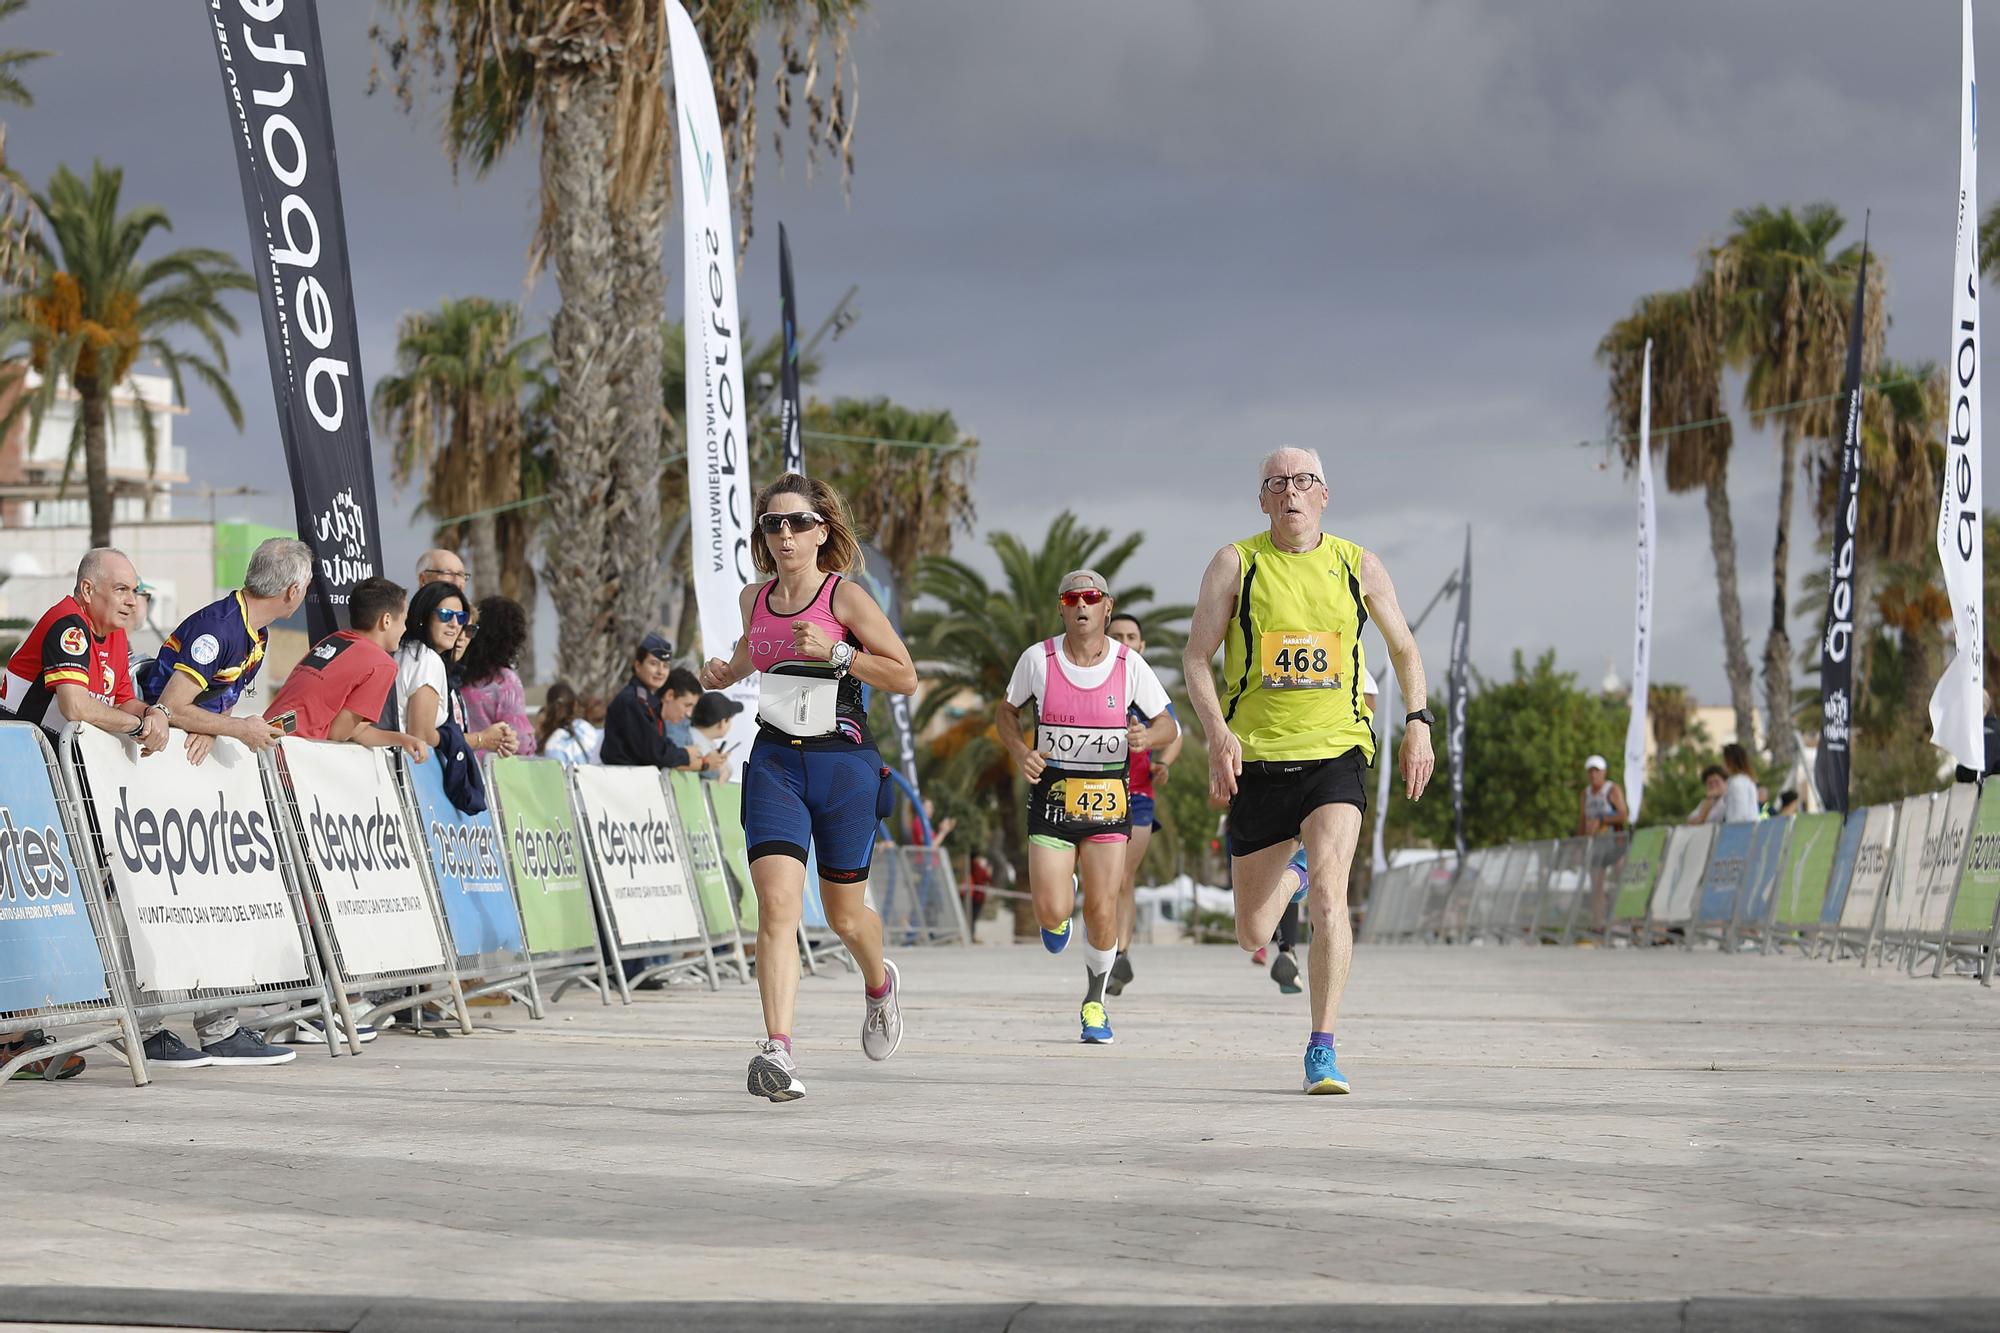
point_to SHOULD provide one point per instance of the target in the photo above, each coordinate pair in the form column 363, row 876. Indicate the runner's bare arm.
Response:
column 717, row 674
column 1380, row 595
column 1212, row 610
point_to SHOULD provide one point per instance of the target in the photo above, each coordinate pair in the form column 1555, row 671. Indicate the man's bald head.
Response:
column 441, row 566
column 107, row 588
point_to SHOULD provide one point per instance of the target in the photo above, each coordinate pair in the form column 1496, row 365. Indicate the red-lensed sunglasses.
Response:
column 1081, row 597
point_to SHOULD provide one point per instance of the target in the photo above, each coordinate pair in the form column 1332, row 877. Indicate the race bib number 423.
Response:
column 1301, row 660
column 1094, row 800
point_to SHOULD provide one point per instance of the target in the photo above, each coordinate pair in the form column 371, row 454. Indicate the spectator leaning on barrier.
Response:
column 487, row 679
column 1714, row 782
column 75, row 665
column 1739, row 794
column 424, row 695
column 343, row 683
column 677, row 700
column 633, row 724
column 561, row 730
column 214, row 654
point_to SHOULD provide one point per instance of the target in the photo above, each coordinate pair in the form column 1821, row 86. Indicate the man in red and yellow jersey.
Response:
column 74, row 666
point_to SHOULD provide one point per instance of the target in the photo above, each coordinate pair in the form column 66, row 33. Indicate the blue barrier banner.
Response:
column 1724, row 878
column 1760, row 881
column 471, row 873
column 48, row 952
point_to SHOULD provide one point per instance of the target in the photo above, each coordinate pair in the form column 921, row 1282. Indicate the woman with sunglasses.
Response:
column 423, row 696
column 1085, row 689
column 813, row 777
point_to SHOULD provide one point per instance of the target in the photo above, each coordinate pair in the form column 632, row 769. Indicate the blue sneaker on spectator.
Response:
column 1323, row 1075
column 166, row 1050
column 244, row 1047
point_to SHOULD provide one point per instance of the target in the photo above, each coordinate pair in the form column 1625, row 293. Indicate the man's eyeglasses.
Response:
column 457, row 574
column 1081, row 597
column 451, row 617
column 1298, row 481
column 798, row 520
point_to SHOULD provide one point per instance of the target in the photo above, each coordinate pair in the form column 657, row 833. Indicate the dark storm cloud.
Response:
column 1134, row 244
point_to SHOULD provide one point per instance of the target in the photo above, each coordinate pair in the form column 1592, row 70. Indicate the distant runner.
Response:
column 1148, row 771
column 1084, row 688
column 1290, row 738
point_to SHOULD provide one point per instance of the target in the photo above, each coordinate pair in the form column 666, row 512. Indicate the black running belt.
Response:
column 1243, row 624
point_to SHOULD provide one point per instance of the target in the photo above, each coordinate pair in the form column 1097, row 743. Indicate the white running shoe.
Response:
column 773, row 1073
column 882, row 1026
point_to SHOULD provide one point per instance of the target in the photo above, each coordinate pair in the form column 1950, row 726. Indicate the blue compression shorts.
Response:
column 825, row 796
column 1142, row 812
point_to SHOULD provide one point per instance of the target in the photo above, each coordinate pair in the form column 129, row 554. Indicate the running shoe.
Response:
column 49, row 1069
column 1285, row 971
column 773, row 1074
column 882, row 1026
column 1121, row 975
column 1298, row 863
column 1055, row 941
column 1096, row 1025
column 1323, row 1075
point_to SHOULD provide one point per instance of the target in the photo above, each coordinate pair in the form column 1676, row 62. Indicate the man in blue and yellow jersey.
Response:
column 1289, row 736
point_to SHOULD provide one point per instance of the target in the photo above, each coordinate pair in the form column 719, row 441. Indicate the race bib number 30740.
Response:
column 1301, row 660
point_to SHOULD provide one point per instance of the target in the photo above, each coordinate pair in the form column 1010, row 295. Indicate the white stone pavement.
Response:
column 1527, row 1125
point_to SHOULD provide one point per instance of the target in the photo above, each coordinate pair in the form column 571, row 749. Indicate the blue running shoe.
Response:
column 1299, row 864
column 1322, row 1074
column 1055, row 941
column 1097, row 1025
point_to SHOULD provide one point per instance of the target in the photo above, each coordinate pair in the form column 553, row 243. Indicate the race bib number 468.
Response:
column 1301, row 660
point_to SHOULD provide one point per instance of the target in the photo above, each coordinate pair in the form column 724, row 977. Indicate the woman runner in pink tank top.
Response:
column 813, row 778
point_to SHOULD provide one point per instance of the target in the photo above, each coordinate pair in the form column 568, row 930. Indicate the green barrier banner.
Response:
column 546, row 851
column 1808, row 868
column 1641, row 871
column 727, row 799
column 704, row 854
column 1979, row 889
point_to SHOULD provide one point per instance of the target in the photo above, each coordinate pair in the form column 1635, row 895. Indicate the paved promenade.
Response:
column 1528, row 1126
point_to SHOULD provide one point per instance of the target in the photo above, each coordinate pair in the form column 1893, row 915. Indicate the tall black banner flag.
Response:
column 274, row 88
column 788, row 376
column 1836, row 648
column 1460, row 690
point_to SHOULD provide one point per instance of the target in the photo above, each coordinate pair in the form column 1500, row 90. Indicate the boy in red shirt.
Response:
column 337, row 692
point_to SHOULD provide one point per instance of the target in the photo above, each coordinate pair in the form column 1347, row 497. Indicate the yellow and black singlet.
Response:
column 1292, row 670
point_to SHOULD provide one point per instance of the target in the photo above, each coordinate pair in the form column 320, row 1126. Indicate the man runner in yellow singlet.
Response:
column 1289, row 738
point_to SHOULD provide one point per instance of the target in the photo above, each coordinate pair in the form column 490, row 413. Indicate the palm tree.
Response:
column 15, row 205
column 1786, row 300
column 1668, row 710
column 454, row 409
column 907, row 499
column 1686, row 331
column 93, row 307
column 590, row 75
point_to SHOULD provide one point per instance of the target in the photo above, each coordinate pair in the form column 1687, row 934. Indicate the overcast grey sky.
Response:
column 1134, row 244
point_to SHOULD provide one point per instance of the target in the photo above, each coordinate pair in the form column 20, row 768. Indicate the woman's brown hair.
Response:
column 840, row 552
column 559, row 709
column 1737, row 759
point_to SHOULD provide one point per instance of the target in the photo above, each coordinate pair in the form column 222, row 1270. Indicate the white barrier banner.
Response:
column 194, row 858
column 1675, row 896
column 1905, row 890
column 1944, row 856
column 637, row 859
column 1872, row 864
column 352, row 829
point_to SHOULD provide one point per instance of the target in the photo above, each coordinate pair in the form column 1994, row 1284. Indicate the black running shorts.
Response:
column 1273, row 799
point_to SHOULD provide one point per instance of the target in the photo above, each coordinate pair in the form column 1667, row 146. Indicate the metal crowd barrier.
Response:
column 1914, row 886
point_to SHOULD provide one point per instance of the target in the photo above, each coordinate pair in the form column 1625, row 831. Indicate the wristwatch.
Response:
column 1422, row 715
column 842, row 655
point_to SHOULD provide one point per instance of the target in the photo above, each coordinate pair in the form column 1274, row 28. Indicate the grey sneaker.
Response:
column 882, row 1026
column 244, row 1047
column 773, row 1073
column 166, row 1050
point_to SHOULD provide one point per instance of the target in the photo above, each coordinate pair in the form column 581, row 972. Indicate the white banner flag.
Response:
column 195, row 858
column 352, row 830
column 635, row 856
column 720, row 524
column 1642, row 633
column 1957, row 710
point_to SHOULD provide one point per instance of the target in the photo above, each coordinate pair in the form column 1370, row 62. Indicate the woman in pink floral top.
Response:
column 488, row 683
